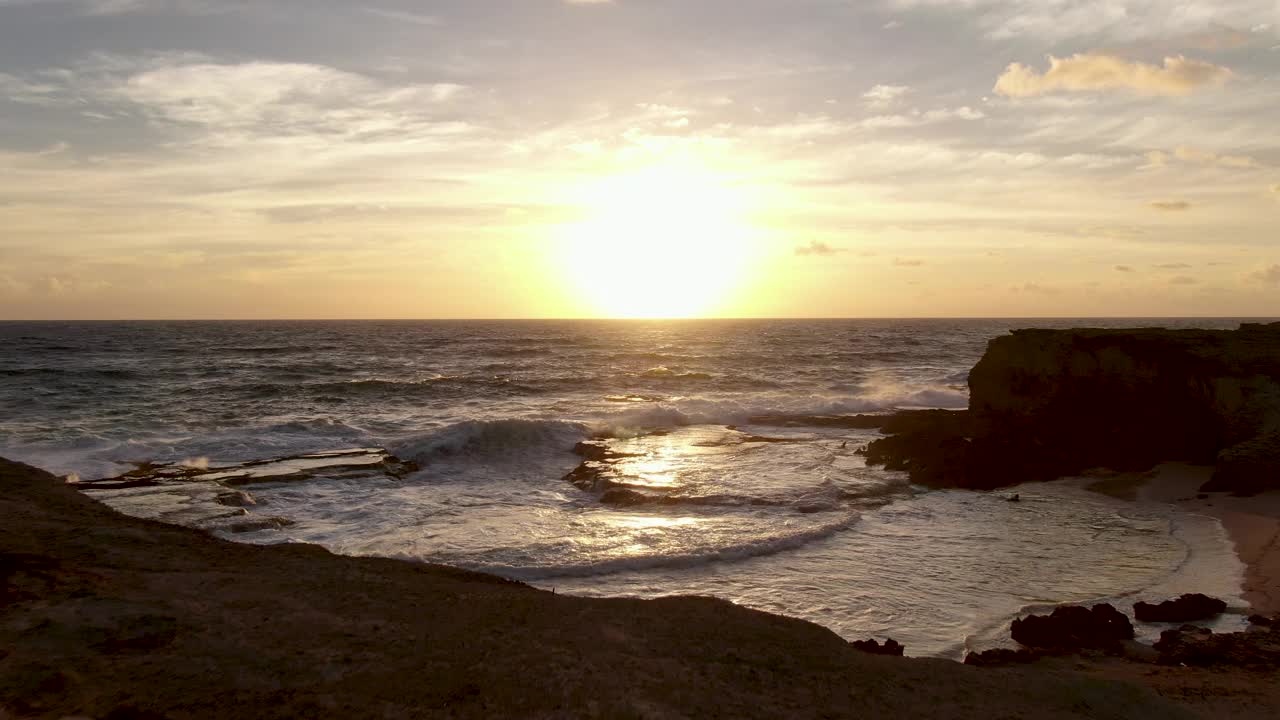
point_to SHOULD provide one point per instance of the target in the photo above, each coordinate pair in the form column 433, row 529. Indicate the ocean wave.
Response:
column 490, row 437
column 817, row 408
column 757, row 547
column 517, row 352
column 104, row 373
column 825, row 497
column 666, row 373
column 272, row 349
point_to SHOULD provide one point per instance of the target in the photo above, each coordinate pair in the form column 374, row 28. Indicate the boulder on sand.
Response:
column 1188, row 608
column 1191, row 645
column 1073, row 626
column 890, row 647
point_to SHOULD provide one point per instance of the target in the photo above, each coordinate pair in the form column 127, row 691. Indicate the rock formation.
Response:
column 890, row 647
column 1191, row 645
column 1049, row 403
column 1188, row 608
column 1074, row 627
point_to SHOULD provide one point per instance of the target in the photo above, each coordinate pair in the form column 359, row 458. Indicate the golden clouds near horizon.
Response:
column 668, row 241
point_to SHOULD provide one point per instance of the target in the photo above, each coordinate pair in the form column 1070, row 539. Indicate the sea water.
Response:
column 783, row 517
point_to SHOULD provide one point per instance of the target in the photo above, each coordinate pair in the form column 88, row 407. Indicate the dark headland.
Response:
column 107, row 616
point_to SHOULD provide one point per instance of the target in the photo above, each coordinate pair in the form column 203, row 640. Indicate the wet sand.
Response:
column 1252, row 522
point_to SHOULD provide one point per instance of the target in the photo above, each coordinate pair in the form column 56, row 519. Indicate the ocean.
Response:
column 745, row 493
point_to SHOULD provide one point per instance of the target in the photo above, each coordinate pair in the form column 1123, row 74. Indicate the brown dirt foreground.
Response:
column 105, row 616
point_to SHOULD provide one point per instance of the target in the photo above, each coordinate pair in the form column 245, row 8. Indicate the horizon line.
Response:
column 649, row 319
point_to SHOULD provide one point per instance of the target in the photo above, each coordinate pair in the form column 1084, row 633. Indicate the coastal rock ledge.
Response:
column 1050, row 403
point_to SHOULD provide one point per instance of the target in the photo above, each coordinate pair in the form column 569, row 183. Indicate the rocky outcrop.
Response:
column 1074, row 627
column 1196, row 646
column 1049, row 403
column 1001, row 657
column 1188, row 608
column 890, row 647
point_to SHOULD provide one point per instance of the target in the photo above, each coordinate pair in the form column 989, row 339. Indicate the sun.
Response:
column 663, row 242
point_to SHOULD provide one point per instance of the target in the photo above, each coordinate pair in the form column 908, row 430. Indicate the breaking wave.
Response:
column 490, row 437
column 788, row 539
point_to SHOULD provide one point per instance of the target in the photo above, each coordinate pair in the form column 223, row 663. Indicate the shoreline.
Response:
column 112, row 616
column 1252, row 523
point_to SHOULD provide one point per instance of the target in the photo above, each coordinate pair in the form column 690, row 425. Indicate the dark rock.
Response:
column 1188, row 608
column 592, row 449
column 140, row 633
column 625, row 497
column 259, row 524
column 34, row 686
column 1072, row 626
column 1247, row 468
column 850, row 422
column 1262, row 621
column 890, row 647
column 1191, row 645
column 236, row 498
column 1004, row 656
column 1049, row 403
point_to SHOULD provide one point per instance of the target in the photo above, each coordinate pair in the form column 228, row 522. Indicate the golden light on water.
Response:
column 664, row 242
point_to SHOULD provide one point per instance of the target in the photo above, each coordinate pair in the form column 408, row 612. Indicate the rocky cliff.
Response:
column 1047, row 403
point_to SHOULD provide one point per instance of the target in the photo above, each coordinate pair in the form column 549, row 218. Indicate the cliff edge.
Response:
column 1049, row 403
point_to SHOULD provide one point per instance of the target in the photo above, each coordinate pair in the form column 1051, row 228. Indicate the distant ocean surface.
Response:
column 491, row 412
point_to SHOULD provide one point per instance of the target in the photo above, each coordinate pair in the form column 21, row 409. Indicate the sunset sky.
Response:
column 549, row 158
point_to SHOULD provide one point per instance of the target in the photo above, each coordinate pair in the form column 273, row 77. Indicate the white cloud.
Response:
column 1097, row 72
column 28, row 92
column 918, row 118
column 883, row 96
column 1058, row 20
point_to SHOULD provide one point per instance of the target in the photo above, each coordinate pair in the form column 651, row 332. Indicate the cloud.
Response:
column 1126, row 20
column 1125, row 268
column 403, row 17
column 1174, row 266
column 883, row 96
column 1191, row 155
column 1267, row 276
column 1183, row 280
column 908, row 262
column 97, row 8
column 819, row 248
column 15, row 89
column 1171, row 205
column 917, row 118
column 258, row 93
column 1099, row 72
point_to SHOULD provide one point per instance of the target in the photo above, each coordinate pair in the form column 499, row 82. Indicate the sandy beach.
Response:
column 1252, row 522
